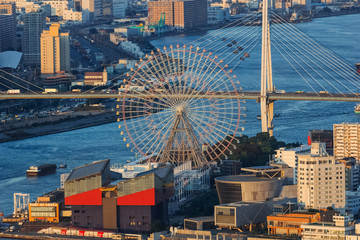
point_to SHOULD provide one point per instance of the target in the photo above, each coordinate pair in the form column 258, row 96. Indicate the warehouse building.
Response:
column 127, row 205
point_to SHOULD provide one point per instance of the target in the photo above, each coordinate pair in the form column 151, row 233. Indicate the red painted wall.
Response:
column 142, row 198
column 92, row 197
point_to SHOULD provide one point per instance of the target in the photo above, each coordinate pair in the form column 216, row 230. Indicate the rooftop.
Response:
column 161, row 172
column 93, row 74
column 93, row 168
column 243, row 178
column 10, row 59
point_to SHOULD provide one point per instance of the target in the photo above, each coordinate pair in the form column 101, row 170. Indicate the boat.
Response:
column 229, row 45
column 233, row 42
column 240, row 48
column 258, row 117
column 246, row 54
column 63, row 166
column 235, row 51
column 242, row 58
column 357, row 65
column 357, row 108
column 41, row 170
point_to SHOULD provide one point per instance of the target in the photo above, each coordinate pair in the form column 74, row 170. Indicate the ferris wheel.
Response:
column 170, row 107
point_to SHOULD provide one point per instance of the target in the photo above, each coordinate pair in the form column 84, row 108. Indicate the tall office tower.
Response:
column 347, row 140
column 119, row 7
column 55, row 50
column 34, row 24
column 185, row 14
column 7, row 27
column 321, row 180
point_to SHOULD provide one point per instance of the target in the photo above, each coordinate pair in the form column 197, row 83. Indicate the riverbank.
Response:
column 36, row 236
column 56, row 124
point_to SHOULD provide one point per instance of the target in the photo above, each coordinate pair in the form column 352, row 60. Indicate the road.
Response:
column 303, row 96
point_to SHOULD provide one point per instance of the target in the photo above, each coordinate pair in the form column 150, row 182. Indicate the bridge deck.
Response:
column 216, row 95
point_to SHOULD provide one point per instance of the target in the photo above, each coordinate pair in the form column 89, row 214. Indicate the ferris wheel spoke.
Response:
column 205, row 84
column 219, row 121
column 212, row 139
column 161, row 141
column 164, row 75
column 168, row 73
column 150, row 131
column 155, row 75
column 152, row 139
column 200, row 119
column 222, row 137
column 193, row 79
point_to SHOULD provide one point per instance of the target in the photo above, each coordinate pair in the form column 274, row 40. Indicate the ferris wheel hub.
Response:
column 181, row 108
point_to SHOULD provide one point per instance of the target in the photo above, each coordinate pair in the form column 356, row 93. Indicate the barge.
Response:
column 41, row 170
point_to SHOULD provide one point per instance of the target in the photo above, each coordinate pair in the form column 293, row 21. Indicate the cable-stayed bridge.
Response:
column 324, row 75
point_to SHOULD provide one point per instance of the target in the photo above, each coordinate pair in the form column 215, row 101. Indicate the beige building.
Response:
column 347, row 140
column 183, row 14
column 55, row 50
column 95, row 78
column 321, row 180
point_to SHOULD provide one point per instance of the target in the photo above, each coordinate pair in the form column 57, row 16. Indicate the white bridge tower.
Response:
column 267, row 106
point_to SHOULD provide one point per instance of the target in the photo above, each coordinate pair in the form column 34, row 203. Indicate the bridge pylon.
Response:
column 266, row 106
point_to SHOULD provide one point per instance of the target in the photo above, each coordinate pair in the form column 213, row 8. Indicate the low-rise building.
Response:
column 337, row 230
column 95, row 78
column 238, row 214
column 230, row 167
column 72, row 15
column 290, row 224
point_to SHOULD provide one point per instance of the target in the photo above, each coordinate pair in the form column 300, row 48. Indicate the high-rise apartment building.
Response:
column 183, row 14
column 34, row 24
column 55, row 50
column 347, row 140
column 7, row 27
column 321, row 180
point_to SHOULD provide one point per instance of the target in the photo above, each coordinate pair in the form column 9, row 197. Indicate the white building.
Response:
column 132, row 48
column 188, row 183
column 117, row 38
column 58, row 6
column 217, row 14
column 353, row 201
column 321, row 180
column 347, row 140
column 339, row 230
column 72, row 15
column 290, row 157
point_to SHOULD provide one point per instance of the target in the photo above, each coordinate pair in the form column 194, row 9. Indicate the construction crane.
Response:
column 153, row 27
